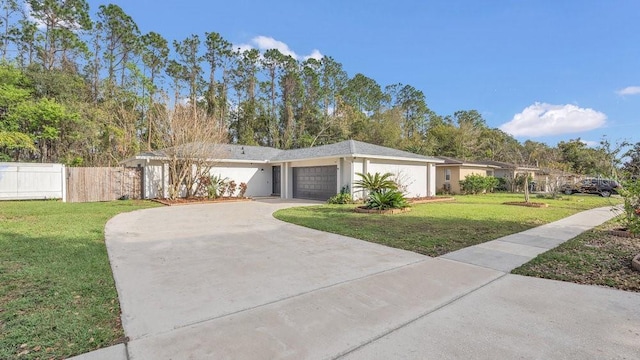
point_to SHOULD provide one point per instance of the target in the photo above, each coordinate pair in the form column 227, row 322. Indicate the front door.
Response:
column 275, row 171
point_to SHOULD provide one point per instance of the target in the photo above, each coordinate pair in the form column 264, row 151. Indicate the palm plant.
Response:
column 383, row 191
column 391, row 199
column 375, row 183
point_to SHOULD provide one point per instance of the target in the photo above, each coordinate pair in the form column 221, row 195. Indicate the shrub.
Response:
column 491, row 183
column 342, row 198
column 476, row 184
column 383, row 191
column 390, row 199
column 231, row 188
column 243, row 189
column 631, row 215
column 215, row 186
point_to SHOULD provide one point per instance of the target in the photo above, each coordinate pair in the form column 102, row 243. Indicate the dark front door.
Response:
column 275, row 190
column 315, row 182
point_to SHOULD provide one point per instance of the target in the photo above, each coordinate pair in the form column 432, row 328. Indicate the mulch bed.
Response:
column 428, row 199
column 596, row 257
column 364, row 210
column 198, row 200
column 527, row 204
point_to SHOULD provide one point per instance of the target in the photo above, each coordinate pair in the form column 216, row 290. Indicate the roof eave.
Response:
column 382, row 157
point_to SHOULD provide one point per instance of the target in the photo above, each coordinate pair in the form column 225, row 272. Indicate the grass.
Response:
column 594, row 258
column 438, row 228
column 57, row 294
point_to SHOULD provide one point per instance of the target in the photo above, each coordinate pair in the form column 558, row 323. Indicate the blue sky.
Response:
column 545, row 70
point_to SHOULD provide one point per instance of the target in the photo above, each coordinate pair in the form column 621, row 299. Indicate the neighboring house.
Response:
column 550, row 180
column 452, row 171
column 315, row 173
column 509, row 171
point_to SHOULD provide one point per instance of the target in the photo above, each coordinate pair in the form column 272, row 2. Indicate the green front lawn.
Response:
column 595, row 258
column 57, row 295
column 438, row 228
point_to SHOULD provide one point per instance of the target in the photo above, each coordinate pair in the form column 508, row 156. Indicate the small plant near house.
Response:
column 383, row 191
column 242, row 189
column 216, row 186
column 344, row 197
column 376, row 182
column 390, row 199
column 231, row 188
column 630, row 218
column 475, row 184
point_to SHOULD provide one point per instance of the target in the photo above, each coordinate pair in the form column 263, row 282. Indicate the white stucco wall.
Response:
column 411, row 175
column 30, row 181
column 258, row 177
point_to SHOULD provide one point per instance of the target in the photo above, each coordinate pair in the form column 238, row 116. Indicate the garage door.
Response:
column 314, row 182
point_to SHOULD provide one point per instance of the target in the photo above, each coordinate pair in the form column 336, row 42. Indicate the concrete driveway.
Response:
column 228, row 281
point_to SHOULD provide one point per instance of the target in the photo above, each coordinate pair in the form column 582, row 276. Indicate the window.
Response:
column 447, row 174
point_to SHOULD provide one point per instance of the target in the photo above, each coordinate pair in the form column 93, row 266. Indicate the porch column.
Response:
column 339, row 175
column 431, row 179
column 284, row 181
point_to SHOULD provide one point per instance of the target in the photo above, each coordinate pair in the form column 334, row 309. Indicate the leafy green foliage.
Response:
column 389, row 199
column 630, row 218
column 383, row 191
column 476, row 184
column 216, row 186
column 111, row 83
column 341, row 198
column 375, row 183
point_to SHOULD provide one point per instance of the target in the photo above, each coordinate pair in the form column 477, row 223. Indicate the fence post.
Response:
column 63, row 173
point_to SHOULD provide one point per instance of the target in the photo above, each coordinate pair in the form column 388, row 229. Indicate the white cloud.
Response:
column 263, row 43
column 629, row 90
column 243, row 47
column 266, row 43
column 590, row 143
column 315, row 54
column 542, row 119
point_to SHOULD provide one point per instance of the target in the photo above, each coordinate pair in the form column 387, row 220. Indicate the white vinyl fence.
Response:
column 25, row 181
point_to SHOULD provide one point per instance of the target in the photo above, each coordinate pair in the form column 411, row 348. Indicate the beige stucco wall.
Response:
column 457, row 173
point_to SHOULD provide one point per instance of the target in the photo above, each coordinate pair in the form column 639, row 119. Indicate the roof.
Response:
column 505, row 165
column 348, row 148
column 454, row 161
column 224, row 152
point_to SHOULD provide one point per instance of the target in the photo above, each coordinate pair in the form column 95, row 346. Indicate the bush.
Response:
column 390, row 199
column 342, row 198
column 243, row 189
column 631, row 215
column 215, row 186
column 476, row 184
column 231, row 188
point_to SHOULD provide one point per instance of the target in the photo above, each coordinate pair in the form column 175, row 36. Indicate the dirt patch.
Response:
column 364, row 210
column 528, row 204
column 197, row 200
column 596, row 257
column 428, row 199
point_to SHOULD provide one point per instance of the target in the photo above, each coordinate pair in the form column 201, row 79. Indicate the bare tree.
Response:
column 191, row 143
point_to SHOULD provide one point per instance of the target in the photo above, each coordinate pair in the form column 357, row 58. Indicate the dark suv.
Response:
column 602, row 187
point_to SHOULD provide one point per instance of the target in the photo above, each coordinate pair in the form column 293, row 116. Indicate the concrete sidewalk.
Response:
column 229, row 281
column 509, row 252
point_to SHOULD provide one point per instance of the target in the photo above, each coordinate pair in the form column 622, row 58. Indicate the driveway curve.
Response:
column 230, row 281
